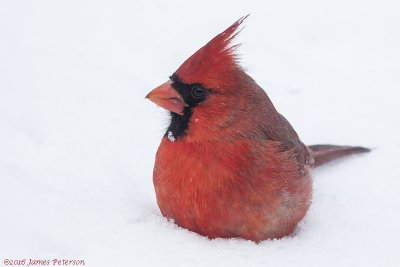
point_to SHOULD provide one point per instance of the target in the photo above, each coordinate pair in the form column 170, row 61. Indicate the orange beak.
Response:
column 167, row 97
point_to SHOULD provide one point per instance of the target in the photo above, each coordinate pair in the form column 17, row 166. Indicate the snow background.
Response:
column 78, row 139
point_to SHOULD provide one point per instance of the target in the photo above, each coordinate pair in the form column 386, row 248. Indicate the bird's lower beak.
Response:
column 167, row 97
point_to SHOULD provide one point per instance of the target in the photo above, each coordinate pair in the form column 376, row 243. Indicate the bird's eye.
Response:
column 198, row 92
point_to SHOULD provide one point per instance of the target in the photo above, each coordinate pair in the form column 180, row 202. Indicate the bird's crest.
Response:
column 213, row 62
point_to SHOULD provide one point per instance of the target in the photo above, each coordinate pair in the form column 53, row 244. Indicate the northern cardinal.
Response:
column 229, row 164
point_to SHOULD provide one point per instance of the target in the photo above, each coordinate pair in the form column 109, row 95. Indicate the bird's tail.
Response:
column 326, row 153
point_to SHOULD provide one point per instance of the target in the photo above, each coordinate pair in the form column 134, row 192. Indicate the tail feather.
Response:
column 326, row 153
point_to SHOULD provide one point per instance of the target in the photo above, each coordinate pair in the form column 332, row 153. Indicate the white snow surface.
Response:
column 78, row 139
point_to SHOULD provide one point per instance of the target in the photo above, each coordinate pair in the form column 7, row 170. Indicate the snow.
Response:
column 171, row 136
column 78, row 139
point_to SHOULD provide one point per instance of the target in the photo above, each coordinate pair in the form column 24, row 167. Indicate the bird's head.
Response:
column 205, row 90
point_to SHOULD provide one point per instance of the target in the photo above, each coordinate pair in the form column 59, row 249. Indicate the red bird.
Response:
column 229, row 164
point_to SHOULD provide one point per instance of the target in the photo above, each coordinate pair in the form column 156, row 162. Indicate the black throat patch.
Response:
column 192, row 94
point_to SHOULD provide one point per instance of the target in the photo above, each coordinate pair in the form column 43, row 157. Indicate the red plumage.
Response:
column 215, row 63
column 239, row 169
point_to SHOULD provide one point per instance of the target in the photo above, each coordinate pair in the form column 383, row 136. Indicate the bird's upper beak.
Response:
column 167, row 97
